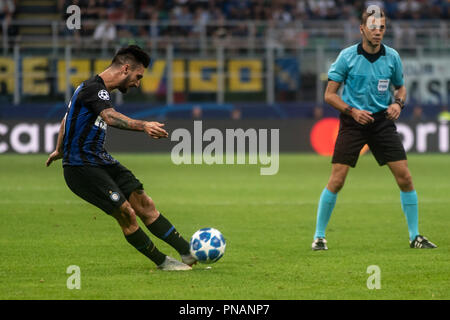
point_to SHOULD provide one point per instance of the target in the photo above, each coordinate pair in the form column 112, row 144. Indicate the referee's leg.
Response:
column 337, row 178
column 408, row 196
column 409, row 202
column 327, row 200
column 401, row 174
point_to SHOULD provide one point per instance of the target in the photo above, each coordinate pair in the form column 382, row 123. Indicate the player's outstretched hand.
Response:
column 154, row 129
column 55, row 155
column 362, row 116
column 393, row 112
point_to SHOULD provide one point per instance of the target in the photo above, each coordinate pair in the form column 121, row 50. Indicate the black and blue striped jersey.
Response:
column 85, row 130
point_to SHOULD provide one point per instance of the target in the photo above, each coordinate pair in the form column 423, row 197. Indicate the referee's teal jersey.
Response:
column 368, row 78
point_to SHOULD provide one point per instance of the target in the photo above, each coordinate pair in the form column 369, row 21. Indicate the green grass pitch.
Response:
column 268, row 222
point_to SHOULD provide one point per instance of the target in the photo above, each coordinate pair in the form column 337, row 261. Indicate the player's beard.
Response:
column 123, row 86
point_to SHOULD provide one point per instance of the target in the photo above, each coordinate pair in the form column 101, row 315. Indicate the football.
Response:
column 207, row 245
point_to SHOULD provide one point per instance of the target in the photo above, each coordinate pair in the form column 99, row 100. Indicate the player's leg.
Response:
column 409, row 202
column 159, row 225
column 144, row 208
column 126, row 217
column 96, row 186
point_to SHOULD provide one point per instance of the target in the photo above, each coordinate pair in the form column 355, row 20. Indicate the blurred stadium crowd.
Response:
column 278, row 10
column 292, row 31
column 189, row 17
column 7, row 9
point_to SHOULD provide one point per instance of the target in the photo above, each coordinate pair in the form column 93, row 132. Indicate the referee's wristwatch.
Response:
column 400, row 102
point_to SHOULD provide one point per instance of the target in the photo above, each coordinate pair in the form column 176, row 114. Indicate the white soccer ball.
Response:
column 207, row 245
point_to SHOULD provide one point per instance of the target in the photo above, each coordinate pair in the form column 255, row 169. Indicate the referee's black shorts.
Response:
column 106, row 187
column 381, row 136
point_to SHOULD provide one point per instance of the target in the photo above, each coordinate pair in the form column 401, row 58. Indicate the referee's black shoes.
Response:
column 420, row 242
column 319, row 244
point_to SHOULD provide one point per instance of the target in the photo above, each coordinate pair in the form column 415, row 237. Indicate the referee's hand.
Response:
column 362, row 116
column 154, row 129
column 393, row 112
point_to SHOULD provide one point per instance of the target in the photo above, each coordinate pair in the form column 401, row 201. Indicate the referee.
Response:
column 95, row 176
column 367, row 71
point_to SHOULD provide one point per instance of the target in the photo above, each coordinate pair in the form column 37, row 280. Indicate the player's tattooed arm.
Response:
column 121, row 121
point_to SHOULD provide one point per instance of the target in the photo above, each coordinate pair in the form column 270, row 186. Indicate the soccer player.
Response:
column 95, row 176
column 367, row 70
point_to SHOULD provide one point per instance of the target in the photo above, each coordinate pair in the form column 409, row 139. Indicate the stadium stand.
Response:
column 289, row 43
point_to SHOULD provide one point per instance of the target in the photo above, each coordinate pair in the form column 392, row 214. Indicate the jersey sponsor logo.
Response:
column 100, row 123
column 103, row 94
column 383, row 85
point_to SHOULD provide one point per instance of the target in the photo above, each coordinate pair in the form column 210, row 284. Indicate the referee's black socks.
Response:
column 144, row 245
column 164, row 230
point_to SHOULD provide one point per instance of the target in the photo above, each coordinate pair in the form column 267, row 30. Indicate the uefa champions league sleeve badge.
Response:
column 103, row 94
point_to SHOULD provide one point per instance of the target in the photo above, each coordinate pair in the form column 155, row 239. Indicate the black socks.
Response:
column 144, row 245
column 164, row 230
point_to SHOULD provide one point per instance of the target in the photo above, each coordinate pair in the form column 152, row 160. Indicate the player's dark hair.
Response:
column 368, row 13
column 133, row 55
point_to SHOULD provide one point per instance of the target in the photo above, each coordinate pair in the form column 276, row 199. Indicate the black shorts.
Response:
column 106, row 187
column 381, row 136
